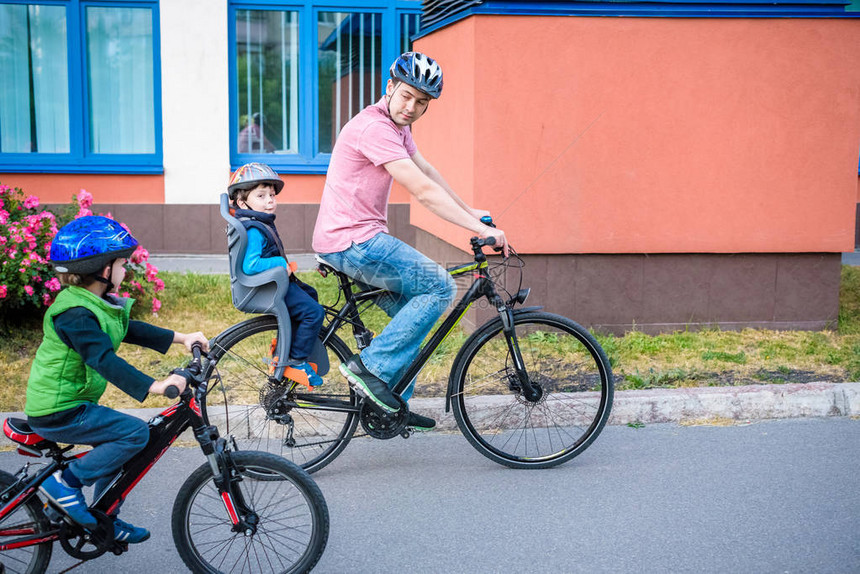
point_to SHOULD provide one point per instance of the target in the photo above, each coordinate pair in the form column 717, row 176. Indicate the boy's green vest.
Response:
column 59, row 378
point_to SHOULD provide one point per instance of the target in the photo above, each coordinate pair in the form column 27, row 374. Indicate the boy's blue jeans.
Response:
column 420, row 291
column 115, row 437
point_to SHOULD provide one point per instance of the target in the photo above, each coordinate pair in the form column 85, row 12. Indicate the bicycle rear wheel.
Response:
column 292, row 521
column 26, row 520
column 307, row 427
column 564, row 362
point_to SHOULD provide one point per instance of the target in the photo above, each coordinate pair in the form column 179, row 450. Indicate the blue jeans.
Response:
column 115, row 437
column 419, row 292
column 306, row 316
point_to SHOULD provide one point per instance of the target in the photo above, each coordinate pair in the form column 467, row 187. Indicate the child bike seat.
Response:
column 264, row 292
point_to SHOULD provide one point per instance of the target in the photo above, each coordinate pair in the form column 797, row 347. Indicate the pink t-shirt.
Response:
column 354, row 205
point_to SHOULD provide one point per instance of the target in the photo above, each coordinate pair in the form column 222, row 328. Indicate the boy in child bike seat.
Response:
column 351, row 233
column 252, row 191
column 83, row 329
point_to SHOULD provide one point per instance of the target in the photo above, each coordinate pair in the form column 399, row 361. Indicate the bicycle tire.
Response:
column 239, row 407
column 293, row 526
column 568, row 365
column 29, row 559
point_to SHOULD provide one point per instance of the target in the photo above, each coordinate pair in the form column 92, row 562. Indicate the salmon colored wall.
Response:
column 59, row 188
column 648, row 135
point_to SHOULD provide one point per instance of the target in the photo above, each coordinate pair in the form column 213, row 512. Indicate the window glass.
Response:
column 34, row 92
column 350, row 69
column 267, row 50
column 120, row 80
column 409, row 24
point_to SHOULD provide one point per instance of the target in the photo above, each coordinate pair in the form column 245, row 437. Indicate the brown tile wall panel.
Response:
column 808, row 285
column 742, row 287
column 217, row 231
column 187, row 229
column 675, row 290
column 291, row 223
column 608, row 289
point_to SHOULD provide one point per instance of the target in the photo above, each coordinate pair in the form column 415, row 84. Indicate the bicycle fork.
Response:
column 531, row 392
column 244, row 519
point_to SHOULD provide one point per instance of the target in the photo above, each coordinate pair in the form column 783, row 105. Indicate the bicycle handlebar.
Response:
column 192, row 370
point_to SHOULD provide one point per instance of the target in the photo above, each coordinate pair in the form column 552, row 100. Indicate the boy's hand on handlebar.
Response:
column 158, row 387
column 189, row 339
column 499, row 235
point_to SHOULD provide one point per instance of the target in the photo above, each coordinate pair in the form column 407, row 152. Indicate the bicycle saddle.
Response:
column 20, row 432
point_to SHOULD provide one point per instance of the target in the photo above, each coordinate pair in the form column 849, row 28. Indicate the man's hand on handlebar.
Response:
column 499, row 236
column 159, row 387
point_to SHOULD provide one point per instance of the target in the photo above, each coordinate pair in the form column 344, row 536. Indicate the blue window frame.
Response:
column 84, row 95
column 299, row 71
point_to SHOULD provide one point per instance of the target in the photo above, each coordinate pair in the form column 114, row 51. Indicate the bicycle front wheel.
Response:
column 25, row 521
column 289, row 516
column 307, row 427
column 567, row 367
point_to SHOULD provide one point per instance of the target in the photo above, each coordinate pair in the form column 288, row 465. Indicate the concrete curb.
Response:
column 691, row 405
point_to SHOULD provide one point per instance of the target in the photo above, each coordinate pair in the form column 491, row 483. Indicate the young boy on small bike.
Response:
column 252, row 191
column 83, row 328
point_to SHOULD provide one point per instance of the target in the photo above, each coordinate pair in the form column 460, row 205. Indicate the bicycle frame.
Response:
column 164, row 429
column 481, row 287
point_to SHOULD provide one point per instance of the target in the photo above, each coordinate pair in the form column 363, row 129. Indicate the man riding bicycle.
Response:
column 373, row 149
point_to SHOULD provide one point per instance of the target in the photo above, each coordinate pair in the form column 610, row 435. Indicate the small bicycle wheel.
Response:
column 566, row 366
column 307, row 427
column 288, row 511
column 26, row 520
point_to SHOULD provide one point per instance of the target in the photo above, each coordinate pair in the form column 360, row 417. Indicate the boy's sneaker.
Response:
column 71, row 500
column 369, row 385
column 125, row 532
column 420, row 423
column 303, row 373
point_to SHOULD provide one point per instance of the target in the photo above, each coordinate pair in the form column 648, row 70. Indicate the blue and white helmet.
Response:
column 419, row 71
column 87, row 244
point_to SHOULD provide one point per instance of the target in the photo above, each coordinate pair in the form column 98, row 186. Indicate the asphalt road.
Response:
column 776, row 496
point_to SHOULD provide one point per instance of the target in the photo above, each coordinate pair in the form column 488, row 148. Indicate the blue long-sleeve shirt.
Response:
column 254, row 261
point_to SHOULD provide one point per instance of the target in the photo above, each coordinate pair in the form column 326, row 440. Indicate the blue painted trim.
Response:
column 308, row 160
column 80, row 159
column 657, row 9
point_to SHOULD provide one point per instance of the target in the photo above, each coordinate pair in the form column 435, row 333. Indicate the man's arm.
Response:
column 439, row 200
column 427, row 168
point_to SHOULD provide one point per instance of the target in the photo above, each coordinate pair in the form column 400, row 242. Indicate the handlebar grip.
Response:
column 196, row 350
column 488, row 220
column 171, row 392
column 490, row 241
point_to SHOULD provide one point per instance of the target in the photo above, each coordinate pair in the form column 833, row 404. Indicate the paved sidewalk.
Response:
column 692, row 406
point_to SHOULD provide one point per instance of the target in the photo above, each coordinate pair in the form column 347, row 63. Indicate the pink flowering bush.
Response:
column 26, row 231
column 27, row 279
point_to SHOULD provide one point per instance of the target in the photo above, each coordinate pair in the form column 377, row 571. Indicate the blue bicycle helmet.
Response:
column 88, row 244
column 419, row 71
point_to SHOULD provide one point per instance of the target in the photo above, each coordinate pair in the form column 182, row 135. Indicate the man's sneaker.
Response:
column 369, row 385
column 71, row 500
column 303, row 373
column 420, row 423
column 125, row 532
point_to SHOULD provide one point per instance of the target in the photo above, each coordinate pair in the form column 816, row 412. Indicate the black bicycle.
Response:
column 242, row 511
column 529, row 389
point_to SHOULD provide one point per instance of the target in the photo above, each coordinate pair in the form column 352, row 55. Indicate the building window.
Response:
column 298, row 73
column 80, row 89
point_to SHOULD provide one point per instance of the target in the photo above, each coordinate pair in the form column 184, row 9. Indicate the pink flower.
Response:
column 4, row 189
column 46, row 299
column 4, row 216
column 151, row 272
column 32, row 202
column 125, row 294
column 28, row 289
column 83, row 212
column 156, row 305
column 84, row 199
column 37, row 279
column 140, row 255
column 2, row 291
column 53, row 284
column 136, row 285
column 159, row 285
